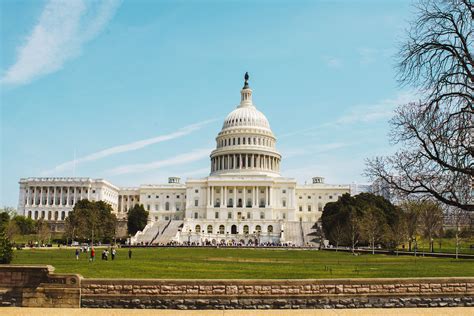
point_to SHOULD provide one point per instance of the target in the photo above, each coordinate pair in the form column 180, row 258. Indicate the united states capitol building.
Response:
column 244, row 199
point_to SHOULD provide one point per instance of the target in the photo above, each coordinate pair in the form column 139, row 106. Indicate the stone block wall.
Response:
column 38, row 286
column 266, row 294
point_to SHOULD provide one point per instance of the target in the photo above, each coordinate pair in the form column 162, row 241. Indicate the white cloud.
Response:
column 61, row 31
column 68, row 165
column 333, row 62
column 182, row 159
column 368, row 55
column 382, row 110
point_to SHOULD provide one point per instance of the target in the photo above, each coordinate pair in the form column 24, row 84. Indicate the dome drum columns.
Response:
column 257, row 162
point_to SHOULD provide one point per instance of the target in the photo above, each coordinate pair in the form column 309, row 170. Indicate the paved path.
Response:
column 444, row 311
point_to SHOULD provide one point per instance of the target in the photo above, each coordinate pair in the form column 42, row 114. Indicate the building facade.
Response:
column 244, row 199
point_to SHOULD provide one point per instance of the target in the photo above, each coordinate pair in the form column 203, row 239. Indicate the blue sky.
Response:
column 136, row 91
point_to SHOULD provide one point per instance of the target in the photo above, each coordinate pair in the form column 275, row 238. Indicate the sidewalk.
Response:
column 445, row 311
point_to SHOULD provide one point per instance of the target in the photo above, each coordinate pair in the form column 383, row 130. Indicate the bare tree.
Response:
column 373, row 228
column 354, row 228
column 431, row 220
column 42, row 231
column 436, row 152
column 337, row 234
column 398, row 232
column 411, row 216
column 12, row 229
column 459, row 219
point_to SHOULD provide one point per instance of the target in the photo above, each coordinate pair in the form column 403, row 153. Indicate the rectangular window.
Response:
column 217, row 215
column 301, row 209
column 330, row 197
column 148, row 207
column 284, row 203
column 309, row 197
column 309, row 208
column 196, row 191
column 196, row 215
column 229, row 215
column 248, row 215
column 284, row 191
column 196, row 202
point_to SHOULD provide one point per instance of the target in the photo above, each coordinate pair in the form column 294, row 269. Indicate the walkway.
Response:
column 444, row 311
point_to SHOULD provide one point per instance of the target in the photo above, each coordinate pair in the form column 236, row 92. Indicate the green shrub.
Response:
column 6, row 250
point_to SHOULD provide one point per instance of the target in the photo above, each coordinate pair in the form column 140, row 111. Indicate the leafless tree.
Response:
column 398, row 232
column 459, row 219
column 435, row 135
column 354, row 229
column 431, row 220
column 337, row 234
column 411, row 216
column 373, row 228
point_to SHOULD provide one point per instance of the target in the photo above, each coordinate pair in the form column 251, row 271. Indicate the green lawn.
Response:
column 210, row 263
column 447, row 245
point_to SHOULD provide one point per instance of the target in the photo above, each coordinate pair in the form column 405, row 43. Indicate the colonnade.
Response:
column 226, row 193
column 245, row 161
column 126, row 202
column 53, row 195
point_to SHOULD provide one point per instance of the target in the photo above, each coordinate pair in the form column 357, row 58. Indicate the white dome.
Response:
column 246, row 144
column 247, row 116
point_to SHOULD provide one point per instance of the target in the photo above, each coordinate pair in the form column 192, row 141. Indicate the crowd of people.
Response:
column 222, row 243
column 90, row 253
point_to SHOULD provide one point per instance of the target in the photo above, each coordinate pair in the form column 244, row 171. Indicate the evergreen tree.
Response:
column 137, row 219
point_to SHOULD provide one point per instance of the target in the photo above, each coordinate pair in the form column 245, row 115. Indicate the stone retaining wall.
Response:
column 271, row 294
column 40, row 287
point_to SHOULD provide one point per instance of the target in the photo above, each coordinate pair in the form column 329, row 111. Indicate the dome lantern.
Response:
column 246, row 144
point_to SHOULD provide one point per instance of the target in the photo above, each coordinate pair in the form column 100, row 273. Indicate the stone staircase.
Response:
column 168, row 233
column 149, row 232
column 301, row 234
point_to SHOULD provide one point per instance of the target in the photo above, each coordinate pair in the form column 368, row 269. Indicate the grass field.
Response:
column 210, row 263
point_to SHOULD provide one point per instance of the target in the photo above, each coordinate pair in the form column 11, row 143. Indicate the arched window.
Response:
column 167, row 206
column 246, row 229
column 209, row 229
column 221, row 229
column 231, row 203
column 239, row 203
column 63, row 215
column 197, row 229
column 56, row 214
column 258, row 228
column 29, row 214
column 270, row 229
column 49, row 215
column 218, row 202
